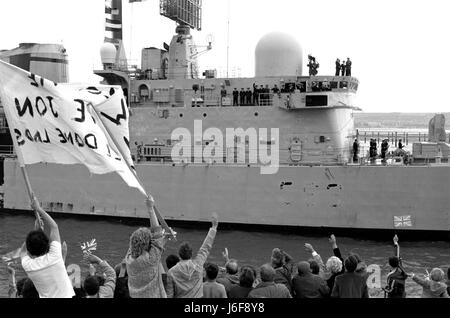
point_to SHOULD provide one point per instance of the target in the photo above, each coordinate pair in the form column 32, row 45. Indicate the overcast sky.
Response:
column 400, row 48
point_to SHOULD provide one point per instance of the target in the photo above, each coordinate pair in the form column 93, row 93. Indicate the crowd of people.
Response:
column 141, row 273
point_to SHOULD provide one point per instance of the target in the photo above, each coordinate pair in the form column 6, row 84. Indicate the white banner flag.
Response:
column 109, row 101
column 54, row 123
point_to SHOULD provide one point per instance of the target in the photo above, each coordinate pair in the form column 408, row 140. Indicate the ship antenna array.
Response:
column 131, row 28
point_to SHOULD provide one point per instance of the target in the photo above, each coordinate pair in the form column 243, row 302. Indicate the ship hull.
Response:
column 359, row 197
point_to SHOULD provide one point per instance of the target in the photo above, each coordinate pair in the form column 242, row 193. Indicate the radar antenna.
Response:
column 184, row 12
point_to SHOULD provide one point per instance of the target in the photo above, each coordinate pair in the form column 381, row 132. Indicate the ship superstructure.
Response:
column 303, row 124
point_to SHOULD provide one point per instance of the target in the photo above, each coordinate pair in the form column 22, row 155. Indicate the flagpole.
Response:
column 157, row 213
column 23, row 167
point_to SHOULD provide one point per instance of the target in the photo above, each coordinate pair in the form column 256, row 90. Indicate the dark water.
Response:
column 252, row 248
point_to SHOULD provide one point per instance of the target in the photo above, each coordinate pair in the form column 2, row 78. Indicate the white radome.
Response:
column 278, row 54
column 108, row 53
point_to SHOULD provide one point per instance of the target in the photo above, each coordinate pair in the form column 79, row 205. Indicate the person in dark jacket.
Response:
column 248, row 96
column 268, row 288
column 384, row 149
column 348, row 67
column 350, row 284
column 284, row 268
column 333, row 266
column 235, row 97
column 338, row 67
column 355, row 151
column 247, row 277
column 242, row 97
column 307, row 285
column 396, row 279
column 275, row 89
column 121, row 290
column 231, row 277
column 255, row 94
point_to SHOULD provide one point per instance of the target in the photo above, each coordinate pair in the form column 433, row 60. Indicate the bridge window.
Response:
column 343, row 85
column 288, row 88
column 354, row 86
column 315, row 86
column 302, row 87
column 316, row 101
column 326, row 86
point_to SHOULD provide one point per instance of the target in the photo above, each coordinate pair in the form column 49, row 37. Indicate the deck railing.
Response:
column 394, row 137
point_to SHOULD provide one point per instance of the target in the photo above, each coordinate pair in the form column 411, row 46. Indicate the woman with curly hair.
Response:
column 143, row 260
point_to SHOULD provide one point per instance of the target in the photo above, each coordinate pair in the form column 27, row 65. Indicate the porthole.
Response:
column 181, row 115
column 205, row 115
column 256, row 114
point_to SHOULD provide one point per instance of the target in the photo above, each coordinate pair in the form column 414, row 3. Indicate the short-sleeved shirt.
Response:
column 48, row 273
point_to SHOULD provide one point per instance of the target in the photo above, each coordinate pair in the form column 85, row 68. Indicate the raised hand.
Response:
column 64, row 250
column 123, row 269
column 35, row 205
column 333, row 241
column 225, row 254
column 215, row 220
column 150, row 202
column 38, row 223
column 395, row 240
column 309, row 248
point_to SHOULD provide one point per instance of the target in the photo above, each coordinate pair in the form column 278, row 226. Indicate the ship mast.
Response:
column 228, row 40
column 114, row 31
column 183, row 51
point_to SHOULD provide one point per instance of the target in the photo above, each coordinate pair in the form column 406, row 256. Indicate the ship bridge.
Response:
column 318, row 92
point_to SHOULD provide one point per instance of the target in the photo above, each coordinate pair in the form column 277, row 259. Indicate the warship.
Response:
column 272, row 150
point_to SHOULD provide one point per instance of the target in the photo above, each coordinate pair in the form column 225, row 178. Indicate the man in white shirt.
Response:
column 42, row 259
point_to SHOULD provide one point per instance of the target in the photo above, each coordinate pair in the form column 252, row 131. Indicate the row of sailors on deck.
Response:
column 373, row 150
column 259, row 96
column 262, row 96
